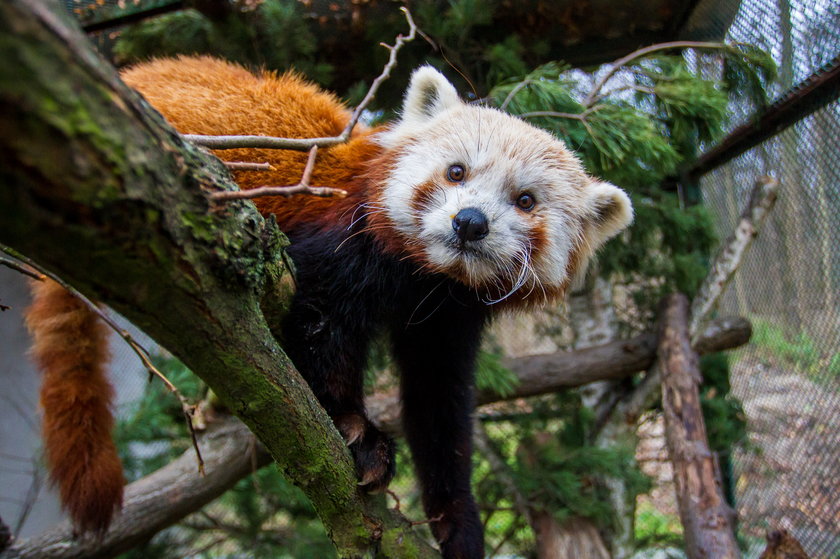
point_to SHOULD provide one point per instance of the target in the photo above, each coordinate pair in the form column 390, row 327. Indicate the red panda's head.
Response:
column 490, row 200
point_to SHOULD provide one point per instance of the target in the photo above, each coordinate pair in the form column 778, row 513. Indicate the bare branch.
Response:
column 286, row 191
column 247, row 166
column 554, row 114
column 304, row 144
column 301, row 187
column 519, row 87
column 728, row 260
column 17, row 266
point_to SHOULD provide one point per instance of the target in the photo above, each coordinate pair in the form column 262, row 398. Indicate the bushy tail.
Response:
column 70, row 347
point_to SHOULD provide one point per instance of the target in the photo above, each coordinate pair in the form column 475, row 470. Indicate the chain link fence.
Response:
column 788, row 378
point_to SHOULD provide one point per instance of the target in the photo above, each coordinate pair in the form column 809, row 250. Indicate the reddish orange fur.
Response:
column 203, row 95
column 70, row 347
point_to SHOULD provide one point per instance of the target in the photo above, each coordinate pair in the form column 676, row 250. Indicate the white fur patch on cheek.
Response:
column 552, row 262
column 411, row 170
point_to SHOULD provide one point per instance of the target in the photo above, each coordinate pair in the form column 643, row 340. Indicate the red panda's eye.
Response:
column 525, row 202
column 456, row 173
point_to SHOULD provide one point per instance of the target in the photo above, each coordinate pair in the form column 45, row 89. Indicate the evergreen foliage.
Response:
column 249, row 37
column 566, row 476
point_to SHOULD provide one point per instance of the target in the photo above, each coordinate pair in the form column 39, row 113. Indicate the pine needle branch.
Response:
column 625, row 60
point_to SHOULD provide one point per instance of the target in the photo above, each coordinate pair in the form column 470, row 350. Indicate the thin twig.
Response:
column 396, row 499
column 438, row 518
column 639, row 88
column 553, row 114
column 138, row 349
column 304, row 144
column 301, row 187
column 286, row 191
column 519, row 87
column 624, row 60
column 16, row 266
column 247, row 166
column 31, row 497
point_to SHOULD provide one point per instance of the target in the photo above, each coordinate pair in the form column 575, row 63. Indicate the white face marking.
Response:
column 504, row 158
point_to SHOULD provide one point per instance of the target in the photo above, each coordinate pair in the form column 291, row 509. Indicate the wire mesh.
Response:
column 788, row 378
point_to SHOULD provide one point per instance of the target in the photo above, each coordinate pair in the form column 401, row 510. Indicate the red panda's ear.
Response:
column 429, row 94
column 609, row 212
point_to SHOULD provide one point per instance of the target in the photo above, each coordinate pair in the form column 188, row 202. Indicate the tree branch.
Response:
column 302, row 187
column 761, row 202
column 99, row 190
column 726, row 263
column 305, row 144
column 624, row 60
column 706, row 518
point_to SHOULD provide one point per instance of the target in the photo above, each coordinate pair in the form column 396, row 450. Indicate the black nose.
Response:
column 470, row 224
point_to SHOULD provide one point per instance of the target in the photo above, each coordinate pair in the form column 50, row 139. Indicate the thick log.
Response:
column 706, row 518
column 160, row 499
column 544, row 374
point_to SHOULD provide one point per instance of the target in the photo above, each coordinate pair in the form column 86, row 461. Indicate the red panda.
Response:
column 453, row 212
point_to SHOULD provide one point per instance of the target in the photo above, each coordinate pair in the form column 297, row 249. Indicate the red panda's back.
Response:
column 204, row 95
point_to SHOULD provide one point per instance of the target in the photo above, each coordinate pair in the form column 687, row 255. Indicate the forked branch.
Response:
column 301, row 187
column 305, row 144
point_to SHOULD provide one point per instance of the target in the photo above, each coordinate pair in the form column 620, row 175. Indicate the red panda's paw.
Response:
column 458, row 530
column 372, row 450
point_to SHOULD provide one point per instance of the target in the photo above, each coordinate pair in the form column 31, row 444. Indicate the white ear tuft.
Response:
column 428, row 95
column 610, row 212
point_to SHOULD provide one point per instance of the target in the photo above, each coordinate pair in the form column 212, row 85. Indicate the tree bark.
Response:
column 706, row 518
column 98, row 189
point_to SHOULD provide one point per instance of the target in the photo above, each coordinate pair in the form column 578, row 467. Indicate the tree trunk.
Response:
column 593, row 322
column 706, row 518
column 575, row 538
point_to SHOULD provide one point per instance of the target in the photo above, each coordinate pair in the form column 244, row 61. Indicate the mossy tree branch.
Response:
column 98, row 189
